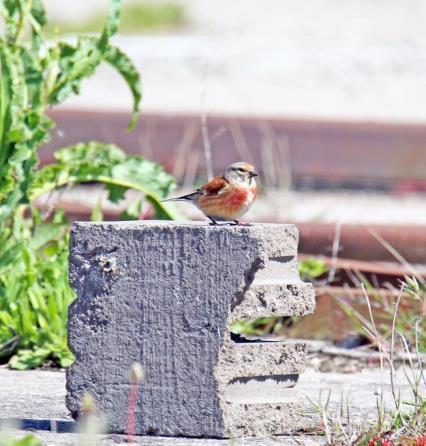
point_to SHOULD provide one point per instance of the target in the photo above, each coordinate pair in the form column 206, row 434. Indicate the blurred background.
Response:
column 326, row 97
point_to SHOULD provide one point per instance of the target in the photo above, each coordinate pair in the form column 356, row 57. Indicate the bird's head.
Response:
column 241, row 173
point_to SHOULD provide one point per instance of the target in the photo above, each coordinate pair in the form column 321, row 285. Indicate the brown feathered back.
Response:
column 215, row 185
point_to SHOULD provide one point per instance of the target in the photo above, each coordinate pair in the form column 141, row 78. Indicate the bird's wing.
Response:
column 217, row 185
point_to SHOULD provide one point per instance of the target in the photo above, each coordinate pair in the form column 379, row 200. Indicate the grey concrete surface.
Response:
column 32, row 395
column 324, row 59
column 39, row 396
column 54, row 439
column 164, row 294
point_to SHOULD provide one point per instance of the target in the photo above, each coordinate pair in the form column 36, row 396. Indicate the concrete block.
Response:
column 164, row 294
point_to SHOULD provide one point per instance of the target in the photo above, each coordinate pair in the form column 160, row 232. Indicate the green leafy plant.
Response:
column 107, row 164
column 34, row 296
column 312, row 268
column 36, row 74
column 7, row 439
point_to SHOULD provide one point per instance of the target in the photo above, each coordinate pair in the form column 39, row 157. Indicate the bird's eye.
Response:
column 240, row 169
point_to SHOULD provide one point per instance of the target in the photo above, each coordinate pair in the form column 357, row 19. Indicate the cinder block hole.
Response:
column 260, row 330
column 240, row 338
column 261, row 389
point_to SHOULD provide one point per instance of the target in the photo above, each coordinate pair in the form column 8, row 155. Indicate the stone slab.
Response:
column 37, row 397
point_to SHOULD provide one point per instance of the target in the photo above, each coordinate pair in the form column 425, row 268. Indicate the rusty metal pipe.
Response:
column 357, row 242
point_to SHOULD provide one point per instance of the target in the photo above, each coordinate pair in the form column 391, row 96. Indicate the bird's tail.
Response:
column 188, row 197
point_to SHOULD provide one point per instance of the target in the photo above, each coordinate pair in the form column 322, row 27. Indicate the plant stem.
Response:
column 131, row 409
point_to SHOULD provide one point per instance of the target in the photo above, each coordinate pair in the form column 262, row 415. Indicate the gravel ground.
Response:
column 357, row 59
column 36, row 397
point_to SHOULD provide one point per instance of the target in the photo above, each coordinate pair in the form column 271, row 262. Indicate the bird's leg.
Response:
column 213, row 221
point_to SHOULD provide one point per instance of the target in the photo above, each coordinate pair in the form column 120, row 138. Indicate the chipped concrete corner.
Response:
column 165, row 294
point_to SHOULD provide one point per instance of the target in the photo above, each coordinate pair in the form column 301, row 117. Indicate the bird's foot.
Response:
column 239, row 223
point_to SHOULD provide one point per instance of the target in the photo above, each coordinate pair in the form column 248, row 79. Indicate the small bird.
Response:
column 226, row 197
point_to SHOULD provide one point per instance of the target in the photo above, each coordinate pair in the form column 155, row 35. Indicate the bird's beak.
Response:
column 253, row 173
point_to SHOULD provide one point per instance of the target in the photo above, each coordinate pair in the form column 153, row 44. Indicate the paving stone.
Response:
column 35, row 398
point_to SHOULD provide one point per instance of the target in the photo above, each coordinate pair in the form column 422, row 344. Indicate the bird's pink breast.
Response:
column 237, row 197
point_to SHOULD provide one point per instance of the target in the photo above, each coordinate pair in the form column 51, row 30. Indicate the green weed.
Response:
column 136, row 18
column 34, row 294
column 312, row 268
column 7, row 439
